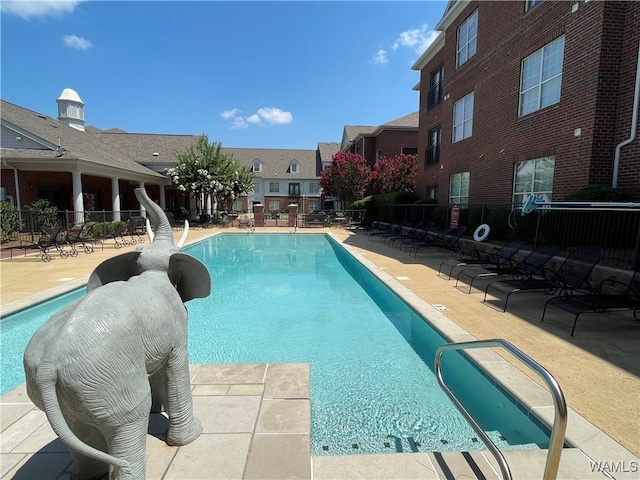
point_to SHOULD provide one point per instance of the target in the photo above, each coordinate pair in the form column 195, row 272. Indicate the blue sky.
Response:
column 248, row 74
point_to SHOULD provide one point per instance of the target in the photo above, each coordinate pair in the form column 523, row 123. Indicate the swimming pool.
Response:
column 303, row 298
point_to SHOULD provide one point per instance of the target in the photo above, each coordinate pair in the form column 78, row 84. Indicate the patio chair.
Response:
column 445, row 241
column 404, row 232
column 532, row 264
column 625, row 298
column 429, row 238
column 49, row 238
column 501, row 256
column 73, row 237
column 421, row 235
column 573, row 274
column 414, row 234
column 394, row 229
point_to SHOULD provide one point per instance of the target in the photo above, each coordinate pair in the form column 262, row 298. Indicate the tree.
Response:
column 397, row 174
column 346, row 177
column 204, row 171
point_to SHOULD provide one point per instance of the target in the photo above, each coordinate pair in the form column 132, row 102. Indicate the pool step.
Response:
column 574, row 465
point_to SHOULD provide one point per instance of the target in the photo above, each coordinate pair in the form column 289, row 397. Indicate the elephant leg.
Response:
column 184, row 427
column 86, row 468
column 129, row 442
column 158, row 382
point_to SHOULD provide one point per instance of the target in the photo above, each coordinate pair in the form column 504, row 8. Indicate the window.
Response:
column 293, row 166
column 314, row 187
column 435, row 87
column 378, row 155
column 257, row 166
column 467, row 39
column 432, row 155
column 314, row 205
column 237, row 205
column 256, row 187
column 408, row 150
column 459, row 189
column 294, row 189
column 274, row 187
column 463, row 118
column 530, row 4
column 274, row 205
column 533, row 177
column 431, row 191
column 541, row 77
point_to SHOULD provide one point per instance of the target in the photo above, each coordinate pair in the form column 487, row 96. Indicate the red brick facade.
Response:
column 598, row 76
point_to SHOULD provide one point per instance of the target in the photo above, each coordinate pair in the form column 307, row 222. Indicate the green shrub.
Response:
column 9, row 221
column 423, row 210
column 112, row 227
column 42, row 214
column 596, row 193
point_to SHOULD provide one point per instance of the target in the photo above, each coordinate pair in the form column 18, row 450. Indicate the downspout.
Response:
column 634, row 126
column 15, row 180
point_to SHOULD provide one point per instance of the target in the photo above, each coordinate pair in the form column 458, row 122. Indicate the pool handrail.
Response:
column 560, row 419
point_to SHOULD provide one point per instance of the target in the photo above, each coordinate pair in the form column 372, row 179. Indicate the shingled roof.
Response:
column 64, row 148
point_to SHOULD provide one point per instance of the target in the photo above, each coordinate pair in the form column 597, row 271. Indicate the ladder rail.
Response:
column 559, row 427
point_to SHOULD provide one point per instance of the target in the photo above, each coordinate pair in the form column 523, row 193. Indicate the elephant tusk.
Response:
column 149, row 231
column 183, row 238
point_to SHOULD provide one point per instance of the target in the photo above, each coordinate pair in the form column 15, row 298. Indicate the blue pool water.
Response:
column 303, row 298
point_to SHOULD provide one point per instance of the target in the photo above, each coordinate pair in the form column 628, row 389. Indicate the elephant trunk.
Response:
column 163, row 232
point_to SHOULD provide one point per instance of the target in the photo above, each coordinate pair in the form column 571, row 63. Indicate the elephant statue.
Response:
column 100, row 365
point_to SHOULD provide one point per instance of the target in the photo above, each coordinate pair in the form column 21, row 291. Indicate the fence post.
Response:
column 636, row 255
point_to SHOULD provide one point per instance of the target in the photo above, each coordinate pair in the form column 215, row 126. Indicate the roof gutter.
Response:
column 634, row 127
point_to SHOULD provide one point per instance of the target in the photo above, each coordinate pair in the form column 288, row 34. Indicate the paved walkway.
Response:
column 256, row 417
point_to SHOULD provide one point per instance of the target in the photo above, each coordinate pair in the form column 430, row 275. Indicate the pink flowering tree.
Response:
column 346, row 178
column 397, row 174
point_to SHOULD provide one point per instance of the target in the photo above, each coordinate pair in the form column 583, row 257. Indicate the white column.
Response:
column 143, row 211
column 78, row 201
column 163, row 201
column 115, row 199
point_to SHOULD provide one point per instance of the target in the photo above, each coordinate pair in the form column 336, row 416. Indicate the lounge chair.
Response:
column 394, row 229
column 73, row 237
column 429, row 238
column 573, row 274
column 404, row 232
column 49, row 238
column 445, row 240
column 625, row 298
column 411, row 235
column 532, row 264
column 500, row 257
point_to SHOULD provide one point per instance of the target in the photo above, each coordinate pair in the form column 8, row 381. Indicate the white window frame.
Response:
column 274, row 205
column 256, row 166
column 293, row 166
column 314, row 187
column 529, row 4
column 274, row 187
column 463, row 118
column 256, row 187
column 541, row 77
column 459, row 188
column 533, row 177
column 467, row 39
column 314, row 205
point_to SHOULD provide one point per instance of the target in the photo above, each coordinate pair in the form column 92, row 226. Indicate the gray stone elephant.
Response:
column 99, row 366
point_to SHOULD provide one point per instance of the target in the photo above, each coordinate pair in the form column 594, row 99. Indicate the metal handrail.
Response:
column 560, row 419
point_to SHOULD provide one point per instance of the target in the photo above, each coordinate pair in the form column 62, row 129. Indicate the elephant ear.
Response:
column 193, row 278
column 114, row 269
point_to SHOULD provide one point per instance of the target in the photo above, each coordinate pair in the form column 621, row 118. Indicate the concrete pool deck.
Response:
column 255, row 428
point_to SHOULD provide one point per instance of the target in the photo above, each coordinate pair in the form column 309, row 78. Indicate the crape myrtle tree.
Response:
column 205, row 172
column 346, row 177
column 397, row 174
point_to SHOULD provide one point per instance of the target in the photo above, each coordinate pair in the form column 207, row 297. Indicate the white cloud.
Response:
column 380, row 57
column 38, row 8
column 418, row 39
column 227, row 114
column 239, row 122
column 275, row 116
column 268, row 116
column 80, row 43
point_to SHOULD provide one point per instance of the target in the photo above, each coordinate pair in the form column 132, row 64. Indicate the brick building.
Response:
column 526, row 97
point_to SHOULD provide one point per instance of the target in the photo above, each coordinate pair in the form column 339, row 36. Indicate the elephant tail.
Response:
column 46, row 381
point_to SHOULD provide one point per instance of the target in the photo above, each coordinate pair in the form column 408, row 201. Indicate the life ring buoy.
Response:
column 481, row 233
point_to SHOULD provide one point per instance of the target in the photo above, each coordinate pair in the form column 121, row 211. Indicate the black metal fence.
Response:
column 612, row 226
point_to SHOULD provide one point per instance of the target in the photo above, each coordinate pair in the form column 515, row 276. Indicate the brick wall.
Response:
column 591, row 83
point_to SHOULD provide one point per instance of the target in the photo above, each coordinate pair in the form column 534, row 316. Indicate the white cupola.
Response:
column 71, row 109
